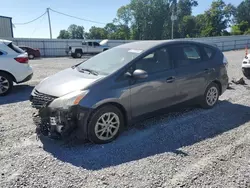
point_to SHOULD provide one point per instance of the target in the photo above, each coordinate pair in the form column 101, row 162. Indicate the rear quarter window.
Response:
column 209, row 52
column 15, row 48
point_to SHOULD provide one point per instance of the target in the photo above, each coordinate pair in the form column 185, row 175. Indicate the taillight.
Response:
column 22, row 59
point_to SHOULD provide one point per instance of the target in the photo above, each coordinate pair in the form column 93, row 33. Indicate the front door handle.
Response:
column 170, row 79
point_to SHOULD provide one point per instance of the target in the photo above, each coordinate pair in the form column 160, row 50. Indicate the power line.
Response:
column 37, row 26
column 31, row 20
column 77, row 17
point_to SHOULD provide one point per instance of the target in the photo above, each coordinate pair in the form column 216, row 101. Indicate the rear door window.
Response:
column 15, row 48
column 209, row 52
column 185, row 55
column 192, row 53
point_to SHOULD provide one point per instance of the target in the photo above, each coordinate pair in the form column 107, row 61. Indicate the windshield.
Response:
column 110, row 61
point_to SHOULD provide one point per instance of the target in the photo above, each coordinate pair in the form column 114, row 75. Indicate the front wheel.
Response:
column 211, row 96
column 6, row 84
column 105, row 124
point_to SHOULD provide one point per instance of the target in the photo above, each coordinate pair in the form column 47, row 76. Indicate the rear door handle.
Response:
column 208, row 70
column 170, row 79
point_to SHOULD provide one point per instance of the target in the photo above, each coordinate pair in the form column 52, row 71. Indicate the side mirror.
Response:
column 140, row 74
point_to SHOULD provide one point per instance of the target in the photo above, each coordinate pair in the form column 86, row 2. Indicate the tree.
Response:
column 185, row 22
column 242, row 12
column 124, row 15
column 217, row 19
column 97, row 33
column 64, row 34
column 240, row 28
column 73, row 32
column 187, row 28
column 76, row 32
column 149, row 17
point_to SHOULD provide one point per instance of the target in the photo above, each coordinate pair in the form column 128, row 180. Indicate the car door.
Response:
column 158, row 90
column 191, row 72
column 90, row 47
column 97, row 48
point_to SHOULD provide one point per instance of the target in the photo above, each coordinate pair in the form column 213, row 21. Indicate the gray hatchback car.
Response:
column 96, row 99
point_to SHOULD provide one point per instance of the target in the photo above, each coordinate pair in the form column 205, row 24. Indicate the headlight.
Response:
column 68, row 100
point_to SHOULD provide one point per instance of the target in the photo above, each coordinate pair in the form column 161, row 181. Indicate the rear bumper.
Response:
column 61, row 123
column 26, row 79
column 224, row 83
column 23, row 74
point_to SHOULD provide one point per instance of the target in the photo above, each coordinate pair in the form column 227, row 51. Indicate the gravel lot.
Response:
column 188, row 148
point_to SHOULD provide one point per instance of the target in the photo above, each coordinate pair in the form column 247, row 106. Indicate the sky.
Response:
column 103, row 11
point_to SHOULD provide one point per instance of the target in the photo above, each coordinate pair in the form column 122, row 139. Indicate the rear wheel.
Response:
column 105, row 124
column 31, row 56
column 6, row 84
column 211, row 96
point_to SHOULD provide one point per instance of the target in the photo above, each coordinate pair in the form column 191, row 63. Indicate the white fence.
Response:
column 57, row 47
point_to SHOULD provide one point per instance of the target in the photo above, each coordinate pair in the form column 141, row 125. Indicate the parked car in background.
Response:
column 88, row 47
column 32, row 53
column 99, row 97
column 246, row 66
column 14, row 66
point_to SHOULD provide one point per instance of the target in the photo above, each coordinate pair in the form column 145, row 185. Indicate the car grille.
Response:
column 39, row 100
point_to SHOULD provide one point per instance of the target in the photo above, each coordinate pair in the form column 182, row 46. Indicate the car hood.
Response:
column 65, row 82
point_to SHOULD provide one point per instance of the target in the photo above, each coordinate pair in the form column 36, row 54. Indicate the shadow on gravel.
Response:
column 19, row 93
column 168, row 133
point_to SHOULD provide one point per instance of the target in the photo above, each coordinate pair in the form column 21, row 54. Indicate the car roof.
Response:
column 149, row 44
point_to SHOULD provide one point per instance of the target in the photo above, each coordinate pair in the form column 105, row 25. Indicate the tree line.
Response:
column 151, row 20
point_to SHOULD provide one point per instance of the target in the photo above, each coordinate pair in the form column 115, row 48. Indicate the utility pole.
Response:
column 172, row 33
column 50, row 32
column 173, row 17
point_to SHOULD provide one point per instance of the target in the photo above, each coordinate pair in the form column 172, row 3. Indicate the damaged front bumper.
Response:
column 61, row 123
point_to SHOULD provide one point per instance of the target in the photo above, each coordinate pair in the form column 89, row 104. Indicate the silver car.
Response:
column 99, row 97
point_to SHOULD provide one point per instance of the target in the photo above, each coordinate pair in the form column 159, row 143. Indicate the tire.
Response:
column 78, row 55
column 105, row 49
column 213, row 91
column 246, row 72
column 6, row 84
column 31, row 56
column 105, row 135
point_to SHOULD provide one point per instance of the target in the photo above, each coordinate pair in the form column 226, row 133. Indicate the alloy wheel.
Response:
column 107, row 126
column 212, row 96
column 4, row 85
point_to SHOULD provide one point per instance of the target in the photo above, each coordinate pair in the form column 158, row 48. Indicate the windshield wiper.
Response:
column 74, row 66
column 90, row 71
